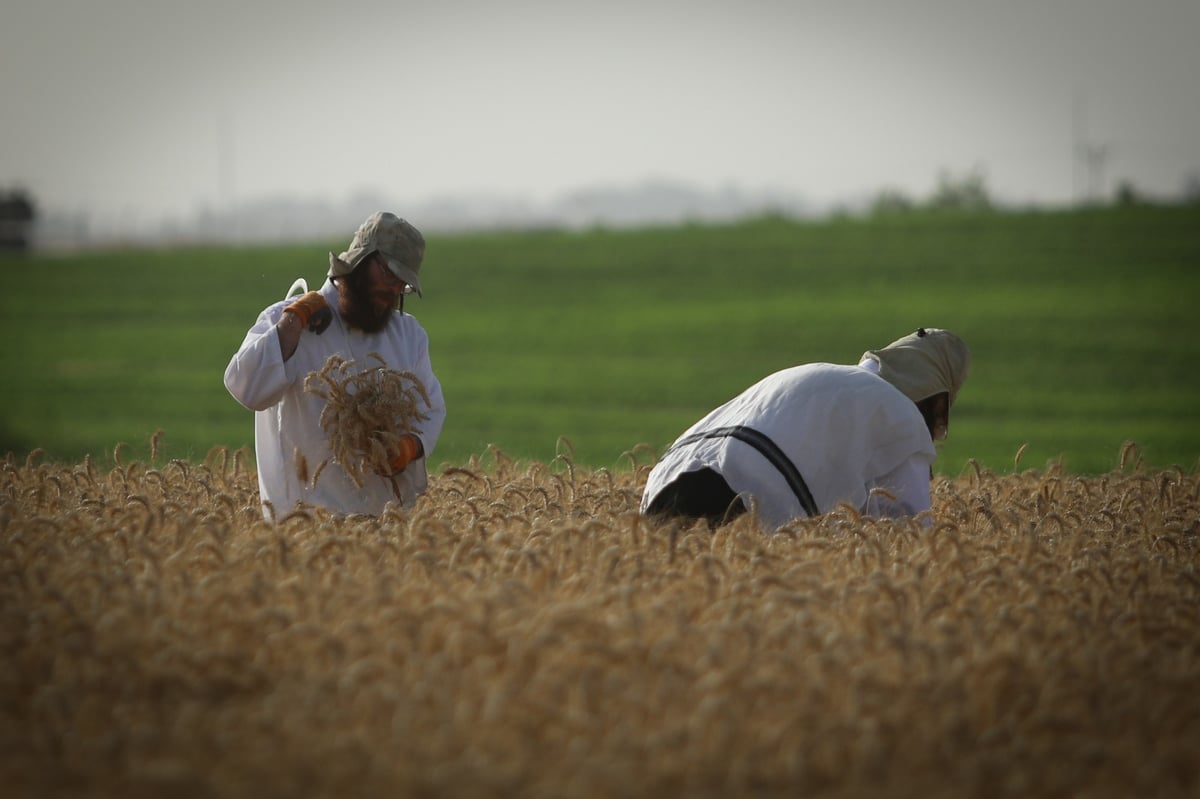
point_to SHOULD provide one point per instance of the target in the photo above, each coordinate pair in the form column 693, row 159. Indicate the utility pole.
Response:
column 1077, row 123
column 1089, row 159
column 225, row 175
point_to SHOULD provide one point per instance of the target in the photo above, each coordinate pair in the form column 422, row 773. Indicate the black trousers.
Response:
column 702, row 494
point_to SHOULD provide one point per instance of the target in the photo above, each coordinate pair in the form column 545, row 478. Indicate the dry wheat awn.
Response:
column 367, row 410
column 524, row 631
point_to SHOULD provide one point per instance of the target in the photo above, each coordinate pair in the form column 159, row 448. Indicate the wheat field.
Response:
column 523, row 632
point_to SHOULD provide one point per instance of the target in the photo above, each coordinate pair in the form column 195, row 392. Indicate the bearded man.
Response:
column 357, row 314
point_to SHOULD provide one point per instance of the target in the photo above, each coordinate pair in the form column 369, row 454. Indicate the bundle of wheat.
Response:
column 367, row 410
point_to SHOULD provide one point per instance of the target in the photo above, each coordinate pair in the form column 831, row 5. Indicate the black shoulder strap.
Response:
column 769, row 450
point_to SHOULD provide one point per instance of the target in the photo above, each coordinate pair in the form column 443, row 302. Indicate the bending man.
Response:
column 805, row 439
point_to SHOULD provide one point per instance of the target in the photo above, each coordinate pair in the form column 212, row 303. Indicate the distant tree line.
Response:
column 17, row 215
column 968, row 192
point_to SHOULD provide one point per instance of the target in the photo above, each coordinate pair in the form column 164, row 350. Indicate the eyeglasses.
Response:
column 390, row 276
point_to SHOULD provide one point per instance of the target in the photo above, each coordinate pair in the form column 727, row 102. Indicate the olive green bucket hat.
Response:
column 400, row 244
column 924, row 363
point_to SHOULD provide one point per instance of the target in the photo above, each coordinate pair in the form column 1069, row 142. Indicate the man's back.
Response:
column 843, row 428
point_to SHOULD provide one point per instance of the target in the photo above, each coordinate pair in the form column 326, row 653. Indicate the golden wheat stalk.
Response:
column 368, row 409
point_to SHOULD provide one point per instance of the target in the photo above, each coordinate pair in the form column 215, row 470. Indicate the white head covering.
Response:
column 924, row 363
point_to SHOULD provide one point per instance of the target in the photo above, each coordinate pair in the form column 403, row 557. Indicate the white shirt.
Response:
column 843, row 428
column 287, row 418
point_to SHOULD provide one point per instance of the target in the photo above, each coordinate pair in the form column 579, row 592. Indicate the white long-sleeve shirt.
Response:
column 287, row 418
column 805, row 439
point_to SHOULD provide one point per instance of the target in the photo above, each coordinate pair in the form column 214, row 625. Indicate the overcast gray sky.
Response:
column 144, row 108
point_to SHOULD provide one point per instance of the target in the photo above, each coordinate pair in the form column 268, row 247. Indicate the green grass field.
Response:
column 1082, row 325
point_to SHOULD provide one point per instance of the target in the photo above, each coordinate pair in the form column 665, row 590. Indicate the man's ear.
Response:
column 941, row 427
column 935, row 411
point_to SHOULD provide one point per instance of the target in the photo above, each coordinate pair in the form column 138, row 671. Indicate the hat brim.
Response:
column 345, row 263
column 405, row 273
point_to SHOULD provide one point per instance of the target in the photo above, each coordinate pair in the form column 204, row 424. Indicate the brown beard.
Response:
column 354, row 303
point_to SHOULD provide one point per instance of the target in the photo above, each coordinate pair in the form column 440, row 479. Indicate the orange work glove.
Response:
column 410, row 450
column 312, row 311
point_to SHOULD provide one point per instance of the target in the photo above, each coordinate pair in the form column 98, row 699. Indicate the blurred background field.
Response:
column 1082, row 324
